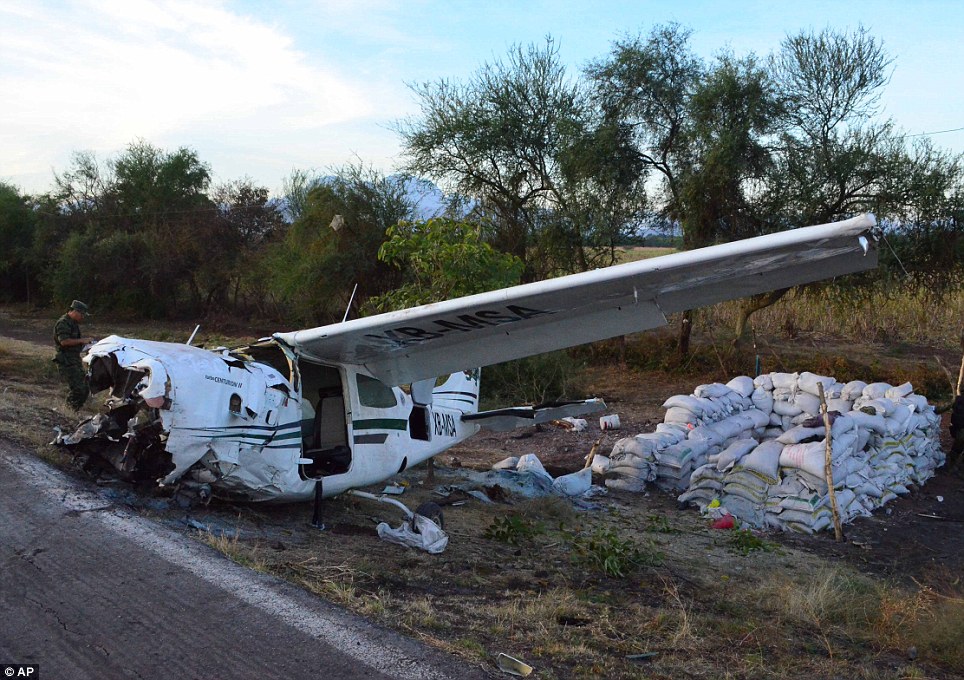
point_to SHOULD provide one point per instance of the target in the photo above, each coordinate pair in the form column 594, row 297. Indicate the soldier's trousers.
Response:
column 72, row 372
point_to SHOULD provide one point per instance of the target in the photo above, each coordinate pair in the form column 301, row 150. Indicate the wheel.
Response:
column 432, row 511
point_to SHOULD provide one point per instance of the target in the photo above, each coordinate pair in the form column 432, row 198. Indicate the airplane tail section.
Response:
column 460, row 391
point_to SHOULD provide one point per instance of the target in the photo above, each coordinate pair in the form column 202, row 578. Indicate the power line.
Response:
column 938, row 132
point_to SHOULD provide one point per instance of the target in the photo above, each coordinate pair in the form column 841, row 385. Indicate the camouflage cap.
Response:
column 79, row 306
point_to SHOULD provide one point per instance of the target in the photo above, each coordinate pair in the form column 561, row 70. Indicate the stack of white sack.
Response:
column 695, row 430
column 759, row 447
column 633, row 463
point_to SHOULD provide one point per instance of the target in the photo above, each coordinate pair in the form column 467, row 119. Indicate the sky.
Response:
column 259, row 89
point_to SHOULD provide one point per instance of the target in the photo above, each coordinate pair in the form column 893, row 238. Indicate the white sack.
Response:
column 797, row 434
column 742, row 385
column 853, row 390
column 876, row 390
column 807, row 402
column 807, row 457
column 734, row 452
column 573, row 484
column 677, row 414
column 757, row 417
column 785, row 408
column 808, row 382
column 899, row 392
column 530, row 463
column 762, row 399
column 764, row 382
column 712, row 391
column 764, row 460
column 600, row 464
column 839, row 405
column 785, row 381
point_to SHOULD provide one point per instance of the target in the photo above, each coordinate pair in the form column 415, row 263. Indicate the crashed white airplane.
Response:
column 321, row 409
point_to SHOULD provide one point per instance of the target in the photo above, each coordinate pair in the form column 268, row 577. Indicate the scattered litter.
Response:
column 528, row 479
column 930, row 516
column 610, row 422
column 194, row 524
column 418, row 532
column 641, row 657
column 725, row 522
column 475, row 493
column 513, row 666
column 571, row 424
column 393, row 490
column 509, row 463
column 940, row 499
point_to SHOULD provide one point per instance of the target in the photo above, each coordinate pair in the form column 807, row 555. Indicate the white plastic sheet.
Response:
column 427, row 536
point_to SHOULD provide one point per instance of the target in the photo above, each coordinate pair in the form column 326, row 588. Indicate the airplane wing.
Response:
column 488, row 328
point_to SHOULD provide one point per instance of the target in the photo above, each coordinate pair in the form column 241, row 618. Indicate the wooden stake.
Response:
column 960, row 375
column 592, row 454
column 960, row 378
column 828, row 465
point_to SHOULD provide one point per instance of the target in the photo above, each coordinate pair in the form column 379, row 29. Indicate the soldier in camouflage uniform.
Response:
column 69, row 343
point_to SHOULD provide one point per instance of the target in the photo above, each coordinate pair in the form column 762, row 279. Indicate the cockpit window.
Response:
column 374, row 393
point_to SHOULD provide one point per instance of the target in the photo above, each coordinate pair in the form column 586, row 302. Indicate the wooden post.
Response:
column 592, row 454
column 960, row 374
column 960, row 378
column 828, row 464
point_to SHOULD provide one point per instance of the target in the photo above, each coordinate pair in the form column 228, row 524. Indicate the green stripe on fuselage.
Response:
column 380, row 424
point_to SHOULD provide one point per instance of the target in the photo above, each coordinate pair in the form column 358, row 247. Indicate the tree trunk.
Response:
column 685, row 326
column 749, row 306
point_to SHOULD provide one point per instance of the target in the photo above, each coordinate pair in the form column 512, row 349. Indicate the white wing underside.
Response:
column 478, row 330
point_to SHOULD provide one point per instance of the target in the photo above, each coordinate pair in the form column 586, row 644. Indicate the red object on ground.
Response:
column 725, row 522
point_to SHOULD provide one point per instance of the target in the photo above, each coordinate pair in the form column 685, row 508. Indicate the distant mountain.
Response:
column 428, row 199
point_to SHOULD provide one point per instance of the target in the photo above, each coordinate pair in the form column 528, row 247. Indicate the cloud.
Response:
column 99, row 74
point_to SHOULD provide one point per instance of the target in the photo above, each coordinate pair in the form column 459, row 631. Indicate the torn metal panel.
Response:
column 502, row 420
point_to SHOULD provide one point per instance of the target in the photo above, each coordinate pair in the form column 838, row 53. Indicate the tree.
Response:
column 251, row 220
column 334, row 244
column 743, row 147
column 141, row 232
column 295, row 190
column 833, row 158
column 700, row 128
column 17, row 227
column 442, row 258
column 514, row 140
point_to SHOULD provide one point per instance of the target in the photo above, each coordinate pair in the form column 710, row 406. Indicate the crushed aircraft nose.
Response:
column 132, row 445
column 85, row 430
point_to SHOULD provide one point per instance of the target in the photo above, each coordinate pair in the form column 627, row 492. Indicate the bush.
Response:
column 604, row 551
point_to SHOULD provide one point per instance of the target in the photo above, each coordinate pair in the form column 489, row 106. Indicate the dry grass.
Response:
column 230, row 545
column 634, row 253
column 904, row 316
